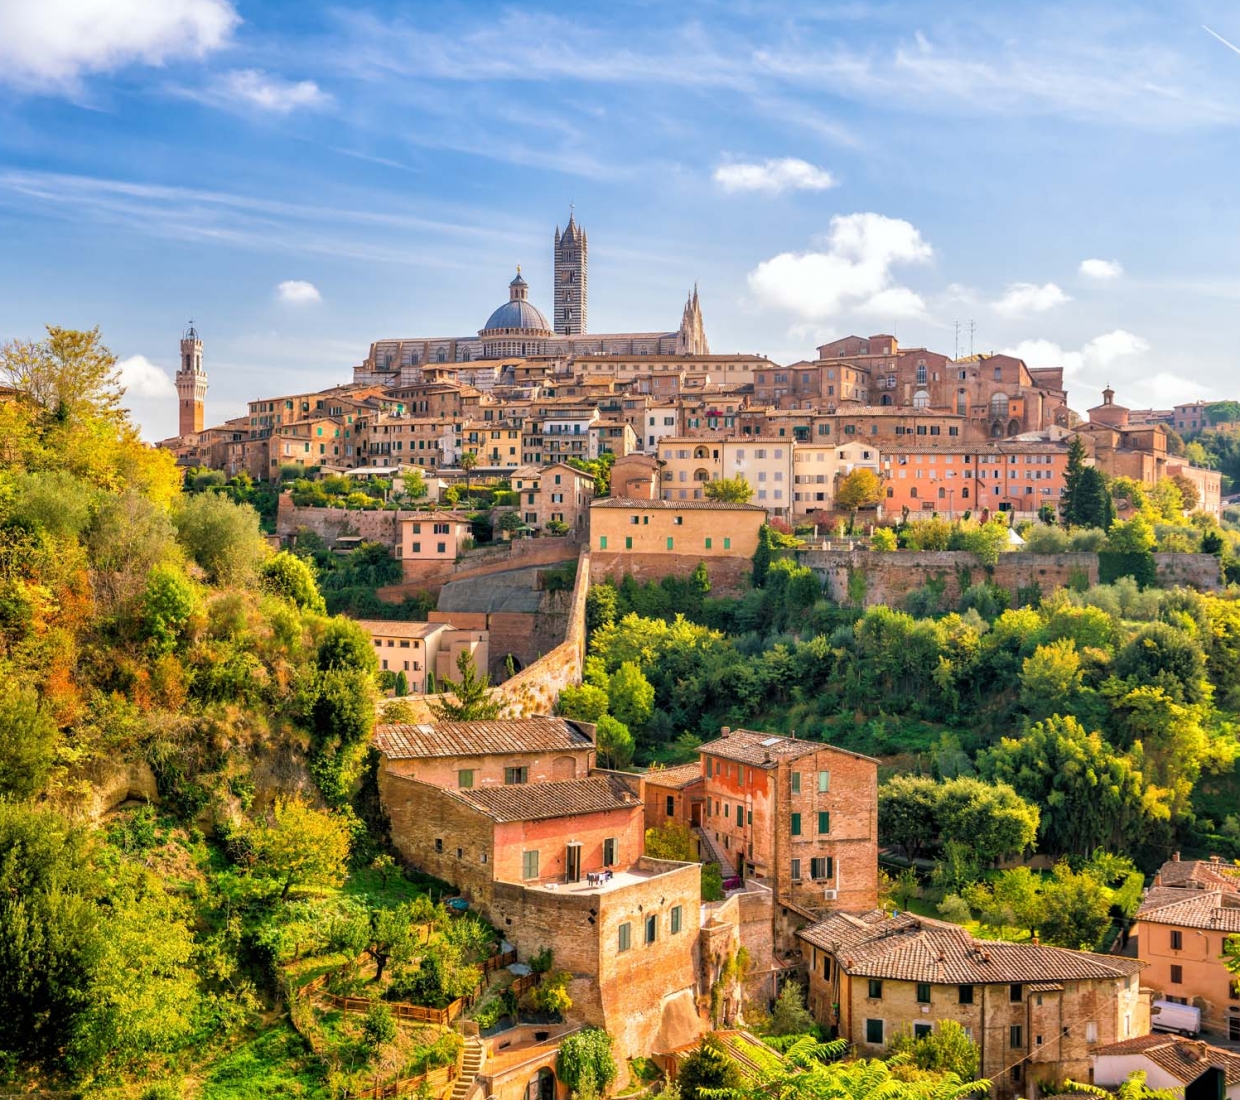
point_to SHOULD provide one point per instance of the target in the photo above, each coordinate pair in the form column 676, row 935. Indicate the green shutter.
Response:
column 824, row 821
column 796, row 824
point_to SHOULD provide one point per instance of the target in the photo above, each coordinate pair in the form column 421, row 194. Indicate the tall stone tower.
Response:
column 191, row 383
column 571, row 256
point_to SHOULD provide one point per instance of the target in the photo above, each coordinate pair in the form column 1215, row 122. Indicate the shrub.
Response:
column 379, row 1025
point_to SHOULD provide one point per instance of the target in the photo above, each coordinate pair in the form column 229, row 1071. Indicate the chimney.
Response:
column 1175, row 857
column 724, row 731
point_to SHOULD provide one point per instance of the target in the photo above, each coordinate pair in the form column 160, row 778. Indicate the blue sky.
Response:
column 302, row 178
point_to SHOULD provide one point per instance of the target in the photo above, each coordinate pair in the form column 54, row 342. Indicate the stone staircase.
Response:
column 712, row 852
column 472, row 1057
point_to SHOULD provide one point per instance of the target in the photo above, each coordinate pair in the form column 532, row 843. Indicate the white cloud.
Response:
column 50, row 45
column 142, row 378
column 1101, row 270
column 1115, row 357
column 1021, row 298
column 853, row 273
column 298, row 292
column 773, row 177
column 253, row 88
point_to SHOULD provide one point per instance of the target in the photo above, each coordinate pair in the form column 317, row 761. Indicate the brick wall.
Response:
column 333, row 523
column 488, row 771
column 890, row 577
column 728, row 575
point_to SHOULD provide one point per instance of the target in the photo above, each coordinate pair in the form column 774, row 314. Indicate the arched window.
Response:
column 442, row 355
column 1014, row 428
column 921, row 374
column 921, row 399
column 701, row 475
column 962, row 402
column 886, row 399
column 999, row 404
column 700, row 452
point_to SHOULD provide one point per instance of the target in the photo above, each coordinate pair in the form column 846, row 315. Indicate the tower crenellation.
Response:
column 571, row 278
column 191, row 384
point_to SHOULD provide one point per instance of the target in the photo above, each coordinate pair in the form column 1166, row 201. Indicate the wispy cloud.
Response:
column 256, row 90
column 851, row 273
column 298, row 292
column 773, row 177
column 51, row 45
column 1021, row 298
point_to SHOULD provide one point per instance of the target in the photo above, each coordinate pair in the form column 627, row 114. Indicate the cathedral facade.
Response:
column 518, row 328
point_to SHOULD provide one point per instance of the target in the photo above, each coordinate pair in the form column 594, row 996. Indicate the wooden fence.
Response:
column 422, row 1013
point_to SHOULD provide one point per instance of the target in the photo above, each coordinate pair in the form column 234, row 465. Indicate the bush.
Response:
column 379, row 1025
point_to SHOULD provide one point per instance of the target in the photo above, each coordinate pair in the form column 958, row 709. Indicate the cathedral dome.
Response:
column 520, row 314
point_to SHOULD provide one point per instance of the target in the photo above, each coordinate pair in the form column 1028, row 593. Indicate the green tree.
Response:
column 1072, row 478
column 630, row 695
column 861, row 488
column 762, row 557
column 168, row 605
column 908, row 813
column 1075, row 909
column 346, row 646
column 585, row 1064
column 468, row 463
column 733, row 490
column 883, row 540
column 394, row 935
column 1133, row 536
column 615, row 743
column 601, row 606
column 1051, row 678
column 672, row 840
column 709, row 1067
column 790, row 1016
column 470, row 699
column 986, row 540
column 1168, row 499
column 584, row 702
column 401, row 685
column 289, row 576
column 71, row 374
column 991, row 819
column 946, row 1049
column 379, row 1025
column 221, row 536
column 414, row 484
column 1091, row 500
column 27, row 743
column 301, row 846
column 1160, row 655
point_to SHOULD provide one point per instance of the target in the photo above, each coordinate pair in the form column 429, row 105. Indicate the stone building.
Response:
column 1168, row 1062
column 1180, row 930
column 800, row 817
column 422, row 650
column 674, row 795
column 658, row 538
column 1037, row 1013
column 551, row 855
column 430, row 537
column 557, row 493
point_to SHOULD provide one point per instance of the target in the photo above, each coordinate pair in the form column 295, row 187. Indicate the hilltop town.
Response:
column 545, row 714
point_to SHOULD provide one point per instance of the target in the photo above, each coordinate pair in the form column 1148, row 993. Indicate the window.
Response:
column 529, row 864
column 602, row 542
column 923, row 993
column 824, row 782
column 465, row 778
column 874, row 1032
column 1091, row 1031
column 966, row 995
column 822, row 867
column 625, row 936
column 1177, row 940
column 439, row 844
column 824, row 821
column 516, row 775
column 920, row 1031
column 628, row 542
column 671, row 805
column 677, row 919
column 609, row 851
column 652, row 928
column 669, row 542
column 1015, row 992
column 1177, row 975
column 876, row 989
column 796, row 824
column 1015, row 1037
column 708, row 544
column 727, row 544
column 796, row 870
column 796, row 782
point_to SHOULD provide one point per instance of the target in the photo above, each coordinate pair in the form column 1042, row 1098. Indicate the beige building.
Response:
column 818, row 467
column 1180, row 930
column 424, row 650
column 432, row 536
column 1168, row 1062
column 690, row 462
column 558, row 493
column 1037, row 1013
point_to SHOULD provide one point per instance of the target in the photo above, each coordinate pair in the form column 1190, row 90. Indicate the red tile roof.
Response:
column 638, row 504
column 1191, row 907
column 539, row 801
column 909, row 948
column 1184, row 1059
column 1199, row 872
column 675, row 778
column 767, row 749
column 502, row 737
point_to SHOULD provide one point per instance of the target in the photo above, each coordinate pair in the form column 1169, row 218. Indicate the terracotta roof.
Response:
column 1184, row 1059
column 393, row 628
column 765, row 750
column 516, row 735
column 1199, row 872
column 675, row 505
column 909, row 948
column 435, row 517
column 675, row 778
column 1192, row 907
column 539, row 801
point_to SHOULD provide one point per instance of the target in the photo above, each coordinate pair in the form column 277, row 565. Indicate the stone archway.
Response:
column 542, row 1085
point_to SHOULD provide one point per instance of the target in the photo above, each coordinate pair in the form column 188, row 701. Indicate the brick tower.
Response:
column 191, row 383
column 571, row 255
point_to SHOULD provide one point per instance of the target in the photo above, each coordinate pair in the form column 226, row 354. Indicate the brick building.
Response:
column 798, row 816
column 556, row 493
column 507, row 813
column 431, row 536
column 1180, row 930
column 1037, row 1013
column 674, row 794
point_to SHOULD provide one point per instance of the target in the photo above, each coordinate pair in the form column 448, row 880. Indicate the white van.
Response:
column 1175, row 1018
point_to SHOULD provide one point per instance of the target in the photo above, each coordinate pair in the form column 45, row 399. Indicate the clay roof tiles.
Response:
column 539, row 801
column 910, row 948
column 675, row 505
column 516, row 735
column 1192, row 907
column 766, row 749
column 675, row 778
column 1198, row 872
column 1184, row 1059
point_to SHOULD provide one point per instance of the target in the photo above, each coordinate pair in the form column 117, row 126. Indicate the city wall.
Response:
column 728, row 575
column 887, row 578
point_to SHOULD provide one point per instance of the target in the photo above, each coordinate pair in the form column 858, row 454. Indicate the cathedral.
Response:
column 518, row 328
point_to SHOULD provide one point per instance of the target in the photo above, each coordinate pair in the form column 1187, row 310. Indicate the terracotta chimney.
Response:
column 724, row 731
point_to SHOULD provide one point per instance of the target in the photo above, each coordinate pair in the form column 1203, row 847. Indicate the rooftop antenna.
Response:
column 957, row 355
column 972, row 333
